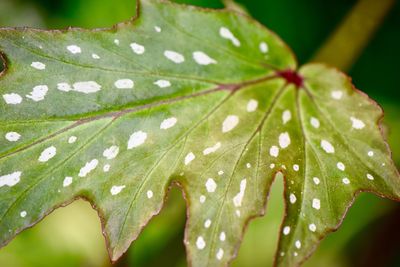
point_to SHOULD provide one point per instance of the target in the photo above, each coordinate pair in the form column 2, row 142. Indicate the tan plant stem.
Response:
column 232, row 5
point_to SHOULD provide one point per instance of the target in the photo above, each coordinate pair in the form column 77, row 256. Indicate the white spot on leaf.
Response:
column 316, row 203
column 168, row 123
column 284, row 140
column 370, row 177
column 238, row 213
column 12, row 99
column 137, row 139
column 337, row 95
column 116, row 189
column 124, row 84
column 89, row 166
column 65, row 87
column 212, row 149
column 38, row 65
column 10, row 179
column 340, row 166
column 274, row 151
column 346, row 180
column 220, row 254
column 174, row 56
column 87, row 87
column 111, row 152
column 207, row 223
column 292, row 198
column 106, row 168
column 222, row 236
column 296, row 167
column 211, row 186
column 230, row 123
column 316, row 180
column 38, row 93
column 72, row 139
column 315, row 122
column 357, row 124
column 163, row 83
column 237, row 200
column 23, row 214
column 312, row 227
column 327, row 147
column 202, row 58
column 48, row 154
column 286, row 230
column 200, row 243
column 74, row 49
column 12, row 136
column 227, row 34
column 252, row 105
column 286, row 116
column 189, row 158
column 67, row 181
column 137, row 48
column 272, row 165
column 264, row 47
column 149, row 194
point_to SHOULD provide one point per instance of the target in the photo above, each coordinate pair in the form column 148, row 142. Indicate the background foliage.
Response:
column 72, row 236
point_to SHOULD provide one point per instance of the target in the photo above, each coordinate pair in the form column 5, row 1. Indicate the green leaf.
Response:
column 208, row 100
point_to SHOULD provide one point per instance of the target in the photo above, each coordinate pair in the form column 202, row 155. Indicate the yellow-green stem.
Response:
column 353, row 34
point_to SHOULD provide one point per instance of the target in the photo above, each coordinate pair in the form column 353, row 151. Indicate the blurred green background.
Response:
column 339, row 32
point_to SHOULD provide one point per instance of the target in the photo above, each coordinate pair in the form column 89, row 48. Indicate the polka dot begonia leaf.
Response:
column 209, row 100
